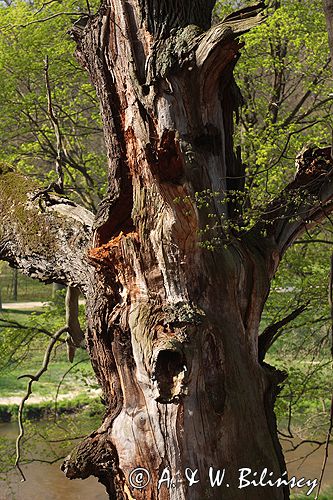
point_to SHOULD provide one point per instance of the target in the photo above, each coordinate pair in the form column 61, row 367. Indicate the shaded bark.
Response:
column 174, row 292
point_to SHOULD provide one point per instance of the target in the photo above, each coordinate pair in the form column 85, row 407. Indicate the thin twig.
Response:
column 59, row 385
column 306, row 242
column 15, row 324
column 294, row 447
column 56, row 128
column 328, row 440
column 329, row 432
column 37, row 21
column 33, row 378
column 45, row 4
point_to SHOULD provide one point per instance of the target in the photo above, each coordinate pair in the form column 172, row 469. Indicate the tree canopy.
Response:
column 28, row 137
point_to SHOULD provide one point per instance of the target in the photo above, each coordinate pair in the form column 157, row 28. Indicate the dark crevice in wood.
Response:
column 137, row 47
column 210, row 141
column 231, row 100
column 118, row 218
column 169, row 166
column 169, row 372
column 114, row 213
column 214, row 377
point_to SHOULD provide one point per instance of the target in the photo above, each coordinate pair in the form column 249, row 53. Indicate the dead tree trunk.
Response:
column 175, row 286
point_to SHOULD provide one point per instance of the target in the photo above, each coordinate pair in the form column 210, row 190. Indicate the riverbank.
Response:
column 38, row 408
column 45, row 441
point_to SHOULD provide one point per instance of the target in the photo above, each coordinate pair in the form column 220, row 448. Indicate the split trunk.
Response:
column 176, row 296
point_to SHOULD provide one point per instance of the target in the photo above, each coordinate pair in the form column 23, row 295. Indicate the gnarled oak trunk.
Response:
column 175, row 302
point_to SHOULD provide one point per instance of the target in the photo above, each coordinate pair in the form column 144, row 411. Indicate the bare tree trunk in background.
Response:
column 174, row 285
column 14, row 285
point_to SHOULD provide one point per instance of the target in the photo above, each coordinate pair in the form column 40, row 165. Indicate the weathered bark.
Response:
column 176, row 356
column 45, row 236
column 172, row 325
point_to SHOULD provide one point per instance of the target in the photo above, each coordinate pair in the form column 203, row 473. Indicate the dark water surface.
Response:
column 47, row 482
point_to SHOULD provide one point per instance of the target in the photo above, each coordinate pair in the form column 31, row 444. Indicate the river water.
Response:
column 47, row 482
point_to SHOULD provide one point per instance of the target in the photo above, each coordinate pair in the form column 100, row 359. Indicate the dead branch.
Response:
column 46, row 238
column 33, row 378
column 56, row 128
column 273, row 332
column 305, row 201
column 75, row 334
column 231, row 27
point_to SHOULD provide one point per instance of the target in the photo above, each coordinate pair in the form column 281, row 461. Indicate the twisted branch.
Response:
column 33, row 378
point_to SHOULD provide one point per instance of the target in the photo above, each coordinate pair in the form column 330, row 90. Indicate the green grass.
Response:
column 325, row 495
column 10, row 385
column 18, row 315
column 47, row 409
column 76, row 381
column 28, row 289
column 27, row 358
column 78, row 385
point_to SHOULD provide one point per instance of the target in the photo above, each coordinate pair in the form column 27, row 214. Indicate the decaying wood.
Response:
column 174, row 294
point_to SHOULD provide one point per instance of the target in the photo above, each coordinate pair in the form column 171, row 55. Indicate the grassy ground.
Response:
column 325, row 495
column 79, row 379
column 22, row 353
column 27, row 288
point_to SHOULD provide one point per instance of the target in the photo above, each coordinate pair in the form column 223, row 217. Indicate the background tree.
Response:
column 30, row 138
column 178, row 362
